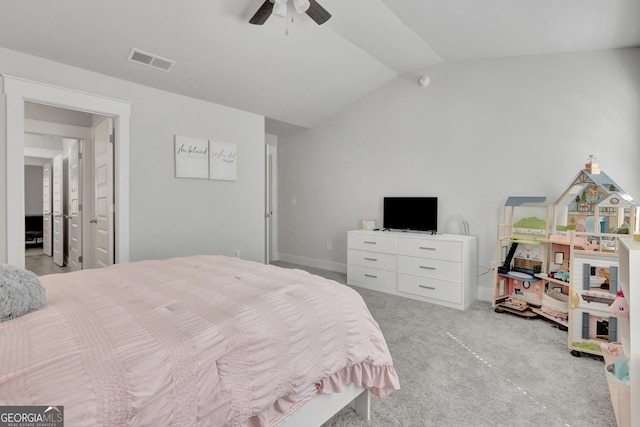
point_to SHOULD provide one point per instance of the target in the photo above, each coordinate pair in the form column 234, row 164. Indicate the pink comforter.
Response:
column 202, row 340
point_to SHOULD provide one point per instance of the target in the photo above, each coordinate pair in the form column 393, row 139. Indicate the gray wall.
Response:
column 481, row 131
column 169, row 216
column 33, row 190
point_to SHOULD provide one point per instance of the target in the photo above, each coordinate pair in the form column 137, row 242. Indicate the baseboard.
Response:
column 313, row 262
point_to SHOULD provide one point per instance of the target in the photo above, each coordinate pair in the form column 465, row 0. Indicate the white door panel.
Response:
column 74, row 205
column 58, row 219
column 47, row 227
column 103, row 222
column 271, row 204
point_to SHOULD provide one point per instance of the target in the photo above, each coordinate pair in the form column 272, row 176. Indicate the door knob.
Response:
column 93, row 221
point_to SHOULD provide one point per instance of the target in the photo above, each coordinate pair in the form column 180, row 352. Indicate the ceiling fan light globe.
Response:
column 280, row 9
column 301, row 5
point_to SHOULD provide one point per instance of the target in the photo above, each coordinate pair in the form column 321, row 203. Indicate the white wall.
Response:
column 480, row 132
column 43, row 146
column 168, row 216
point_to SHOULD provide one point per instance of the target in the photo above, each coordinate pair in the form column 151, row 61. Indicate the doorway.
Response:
column 18, row 91
column 58, row 147
column 38, row 150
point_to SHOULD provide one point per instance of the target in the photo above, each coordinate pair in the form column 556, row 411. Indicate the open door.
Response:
column 74, row 206
column 271, row 198
column 47, row 227
column 58, row 214
column 104, row 209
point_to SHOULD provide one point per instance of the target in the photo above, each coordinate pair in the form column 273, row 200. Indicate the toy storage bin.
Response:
column 619, row 391
column 620, row 398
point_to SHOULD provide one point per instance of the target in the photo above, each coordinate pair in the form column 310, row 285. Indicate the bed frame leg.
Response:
column 363, row 405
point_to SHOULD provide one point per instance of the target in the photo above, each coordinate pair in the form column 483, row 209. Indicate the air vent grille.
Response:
column 150, row 60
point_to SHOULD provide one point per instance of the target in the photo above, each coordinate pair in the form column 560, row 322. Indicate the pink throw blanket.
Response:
column 201, row 340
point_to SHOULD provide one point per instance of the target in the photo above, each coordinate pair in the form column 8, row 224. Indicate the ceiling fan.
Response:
column 279, row 8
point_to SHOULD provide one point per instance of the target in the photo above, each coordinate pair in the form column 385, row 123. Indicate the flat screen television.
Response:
column 411, row 213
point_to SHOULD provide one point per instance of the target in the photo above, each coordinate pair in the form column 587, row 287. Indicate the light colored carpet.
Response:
column 479, row 368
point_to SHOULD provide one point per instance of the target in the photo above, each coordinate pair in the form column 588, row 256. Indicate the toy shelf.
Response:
column 545, row 276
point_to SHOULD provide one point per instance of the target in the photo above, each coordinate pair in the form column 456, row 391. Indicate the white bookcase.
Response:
column 440, row 269
column 629, row 252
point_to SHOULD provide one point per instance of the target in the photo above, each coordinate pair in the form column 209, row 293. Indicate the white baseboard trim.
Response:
column 313, row 262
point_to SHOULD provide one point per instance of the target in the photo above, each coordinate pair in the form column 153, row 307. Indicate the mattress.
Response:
column 197, row 341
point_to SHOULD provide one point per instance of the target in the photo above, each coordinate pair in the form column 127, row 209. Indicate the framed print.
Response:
column 558, row 258
column 223, row 161
column 191, row 157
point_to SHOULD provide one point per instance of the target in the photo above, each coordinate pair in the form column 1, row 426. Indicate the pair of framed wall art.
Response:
column 206, row 159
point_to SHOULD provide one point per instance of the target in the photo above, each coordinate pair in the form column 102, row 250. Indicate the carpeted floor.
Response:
column 479, row 368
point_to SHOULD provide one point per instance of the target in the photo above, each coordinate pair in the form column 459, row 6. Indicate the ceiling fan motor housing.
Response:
column 279, row 8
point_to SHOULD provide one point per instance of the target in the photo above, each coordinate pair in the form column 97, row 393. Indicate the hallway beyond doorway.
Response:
column 40, row 263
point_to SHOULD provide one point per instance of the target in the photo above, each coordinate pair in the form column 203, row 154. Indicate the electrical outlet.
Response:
column 329, row 246
column 236, row 253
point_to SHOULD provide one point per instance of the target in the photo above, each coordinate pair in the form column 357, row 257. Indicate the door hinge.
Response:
column 79, row 156
column 112, row 208
column 112, row 138
column 80, row 258
column 79, row 208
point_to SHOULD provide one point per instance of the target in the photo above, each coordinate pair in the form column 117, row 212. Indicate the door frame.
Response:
column 17, row 91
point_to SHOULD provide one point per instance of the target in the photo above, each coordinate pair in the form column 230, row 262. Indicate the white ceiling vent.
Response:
column 150, row 60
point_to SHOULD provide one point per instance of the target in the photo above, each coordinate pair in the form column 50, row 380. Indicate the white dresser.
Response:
column 439, row 269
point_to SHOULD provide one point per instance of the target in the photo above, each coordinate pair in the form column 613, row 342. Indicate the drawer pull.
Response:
column 371, row 275
column 370, row 259
column 427, row 287
column 426, row 248
column 368, row 242
column 427, row 268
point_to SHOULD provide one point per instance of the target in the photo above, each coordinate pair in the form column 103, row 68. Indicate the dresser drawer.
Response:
column 430, row 248
column 378, row 260
column 371, row 276
column 430, row 288
column 435, row 268
column 376, row 242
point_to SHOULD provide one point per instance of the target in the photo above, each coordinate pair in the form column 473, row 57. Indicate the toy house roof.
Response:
column 525, row 200
column 601, row 181
column 619, row 199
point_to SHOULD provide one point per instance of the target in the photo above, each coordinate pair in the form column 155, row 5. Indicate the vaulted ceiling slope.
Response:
column 293, row 71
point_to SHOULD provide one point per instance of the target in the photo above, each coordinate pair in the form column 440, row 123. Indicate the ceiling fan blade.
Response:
column 318, row 13
column 261, row 16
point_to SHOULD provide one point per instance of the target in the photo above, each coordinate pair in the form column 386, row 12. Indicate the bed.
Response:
column 198, row 341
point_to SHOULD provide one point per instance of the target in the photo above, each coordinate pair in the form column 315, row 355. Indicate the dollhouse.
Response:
column 594, row 203
column 521, row 252
column 564, row 267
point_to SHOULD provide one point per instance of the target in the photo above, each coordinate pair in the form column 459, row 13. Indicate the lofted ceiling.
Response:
column 293, row 71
